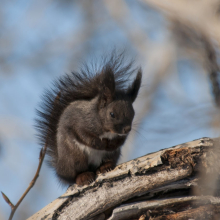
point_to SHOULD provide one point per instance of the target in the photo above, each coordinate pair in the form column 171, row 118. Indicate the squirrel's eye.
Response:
column 112, row 114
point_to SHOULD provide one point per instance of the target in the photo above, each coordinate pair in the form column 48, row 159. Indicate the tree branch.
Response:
column 166, row 173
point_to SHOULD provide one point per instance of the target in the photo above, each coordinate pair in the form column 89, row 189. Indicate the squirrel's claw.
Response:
column 105, row 167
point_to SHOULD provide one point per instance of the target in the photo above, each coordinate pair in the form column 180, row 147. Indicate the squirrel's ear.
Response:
column 133, row 89
column 107, row 87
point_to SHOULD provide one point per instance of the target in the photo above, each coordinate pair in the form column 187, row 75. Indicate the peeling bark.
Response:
column 154, row 208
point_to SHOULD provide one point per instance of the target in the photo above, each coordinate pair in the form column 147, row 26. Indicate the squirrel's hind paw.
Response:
column 85, row 178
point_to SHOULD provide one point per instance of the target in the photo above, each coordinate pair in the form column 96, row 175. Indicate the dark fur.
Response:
column 78, row 110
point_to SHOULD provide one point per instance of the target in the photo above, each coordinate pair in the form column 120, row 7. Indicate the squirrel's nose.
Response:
column 126, row 129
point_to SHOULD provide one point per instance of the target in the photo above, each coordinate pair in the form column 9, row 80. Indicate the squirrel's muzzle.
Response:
column 126, row 129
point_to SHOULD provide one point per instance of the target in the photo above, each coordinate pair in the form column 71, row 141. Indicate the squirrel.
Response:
column 85, row 119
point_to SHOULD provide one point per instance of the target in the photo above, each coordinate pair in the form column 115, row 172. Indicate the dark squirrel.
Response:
column 85, row 119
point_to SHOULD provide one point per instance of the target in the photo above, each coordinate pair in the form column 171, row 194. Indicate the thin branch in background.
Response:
column 204, row 29
column 14, row 207
column 213, row 69
column 198, row 41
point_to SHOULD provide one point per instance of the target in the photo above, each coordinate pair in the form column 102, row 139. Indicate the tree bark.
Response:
column 156, row 186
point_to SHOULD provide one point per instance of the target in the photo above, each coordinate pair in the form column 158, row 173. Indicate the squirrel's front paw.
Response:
column 105, row 167
column 97, row 144
column 85, row 178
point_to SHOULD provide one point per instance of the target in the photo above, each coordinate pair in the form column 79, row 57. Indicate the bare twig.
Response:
column 14, row 207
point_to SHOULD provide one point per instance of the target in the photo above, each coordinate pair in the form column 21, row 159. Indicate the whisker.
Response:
column 140, row 134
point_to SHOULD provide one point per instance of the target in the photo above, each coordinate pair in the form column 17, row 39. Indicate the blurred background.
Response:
column 175, row 42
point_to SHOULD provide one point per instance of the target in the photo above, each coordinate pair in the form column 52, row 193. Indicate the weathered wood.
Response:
column 135, row 210
column 163, row 171
column 177, row 188
column 113, row 193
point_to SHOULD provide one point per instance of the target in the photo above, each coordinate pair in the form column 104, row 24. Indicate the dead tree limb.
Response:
column 140, row 186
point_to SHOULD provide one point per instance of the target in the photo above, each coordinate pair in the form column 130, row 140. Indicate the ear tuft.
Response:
column 133, row 89
column 107, row 89
column 108, row 78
